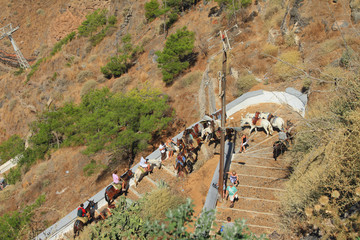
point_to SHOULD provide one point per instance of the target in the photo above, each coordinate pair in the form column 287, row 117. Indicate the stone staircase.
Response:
column 262, row 180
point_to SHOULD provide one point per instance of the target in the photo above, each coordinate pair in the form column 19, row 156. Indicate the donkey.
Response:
column 261, row 123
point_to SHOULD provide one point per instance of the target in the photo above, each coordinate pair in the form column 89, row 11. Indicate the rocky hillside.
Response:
column 275, row 44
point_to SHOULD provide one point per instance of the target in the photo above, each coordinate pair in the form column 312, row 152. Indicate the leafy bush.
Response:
column 14, row 175
column 57, row 47
column 19, row 72
column 88, row 86
column 92, row 168
column 283, row 70
column 11, row 148
column 92, row 22
column 126, row 223
column 120, row 64
column 34, row 68
column 116, row 121
column 152, row 10
column 116, row 67
column 112, row 20
column 12, row 225
column 237, row 3
column 175, row 56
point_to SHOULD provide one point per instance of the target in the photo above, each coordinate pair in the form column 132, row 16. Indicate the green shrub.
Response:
column 126, row 223
column 19, row 72
column 11, row 148
column 345, row 60
column 100, row 121
column 152, row 10
column 116, row 67
column 14, row 175
column 245, row 83
column 34, row 68
column 237, row 3
column 120, row 64
column 285, row 71
column 92, row 168
column 57, row 47
column 175, row 56
column 112, row 20
column 88, row 86
column 15, row 224
column 92, row 22
column 97, row 38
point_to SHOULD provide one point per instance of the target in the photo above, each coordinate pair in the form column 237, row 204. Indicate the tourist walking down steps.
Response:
column 231, row 192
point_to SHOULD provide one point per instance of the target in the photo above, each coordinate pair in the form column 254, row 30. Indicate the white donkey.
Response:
column 141, row 172
column 261, row 123
column 210, row 129
column 276, row 122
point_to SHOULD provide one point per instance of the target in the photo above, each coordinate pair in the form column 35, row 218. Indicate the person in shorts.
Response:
column 231, row 192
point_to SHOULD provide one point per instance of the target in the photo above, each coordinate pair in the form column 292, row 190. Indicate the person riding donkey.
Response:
column 162, row 148
column 145, row 165
column 125, row 177
column 82, row 214
column 117, row 184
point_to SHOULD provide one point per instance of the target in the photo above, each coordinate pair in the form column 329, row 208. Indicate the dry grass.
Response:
column 120, row 84
column 315, row 32
column 329, row 46
column 190, row 78
column 284, row 71
column 84, row 75
column 88, row 86
column 325, row 177
column 157, row 202
column 270, row 49
column 245, row 83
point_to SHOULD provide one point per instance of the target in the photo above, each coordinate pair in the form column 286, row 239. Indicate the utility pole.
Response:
column 223, row 115
column 165, row 20
column 6, row 32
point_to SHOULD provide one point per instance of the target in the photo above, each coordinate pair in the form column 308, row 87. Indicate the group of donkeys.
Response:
column 268, row 122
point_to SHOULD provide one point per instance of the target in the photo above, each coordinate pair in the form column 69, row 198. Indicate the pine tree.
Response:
column 175, row 56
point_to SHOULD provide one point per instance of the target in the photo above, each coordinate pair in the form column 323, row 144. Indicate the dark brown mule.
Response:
column 180, row 165
column 111, row 192
column 90, row 213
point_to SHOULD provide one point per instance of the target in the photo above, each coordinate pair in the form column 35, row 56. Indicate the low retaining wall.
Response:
column 291, row 97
